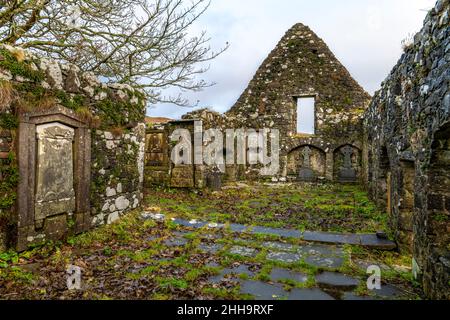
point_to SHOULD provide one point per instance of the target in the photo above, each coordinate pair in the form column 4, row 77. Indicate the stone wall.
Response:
column 76, row 143
column 407, row 151
column 8, row 180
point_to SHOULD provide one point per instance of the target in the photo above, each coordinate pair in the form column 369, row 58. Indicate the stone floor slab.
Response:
column 263, row 291
column 238, row 228
column 176, row 242
column 308, row 294
column 184, row 223
column 372, row 241
column 279, row 246
column 353, row 297
column 241, row 269
column 334, row 279
column 244, row 251
column 320, row 250
column 332, row 237
column 279, row 274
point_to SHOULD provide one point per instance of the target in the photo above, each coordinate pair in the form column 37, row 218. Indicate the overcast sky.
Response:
column 365, row 35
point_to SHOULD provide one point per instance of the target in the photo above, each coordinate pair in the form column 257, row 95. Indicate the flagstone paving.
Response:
column 284, row 283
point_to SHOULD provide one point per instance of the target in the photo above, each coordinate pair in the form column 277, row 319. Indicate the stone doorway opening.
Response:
column 384, row 198
column 406, row 208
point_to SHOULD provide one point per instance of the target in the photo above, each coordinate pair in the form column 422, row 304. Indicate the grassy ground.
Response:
column 328, row 207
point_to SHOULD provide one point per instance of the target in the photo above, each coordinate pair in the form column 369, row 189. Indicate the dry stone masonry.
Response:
column 407, row 150
column 300, row 66
column 71, row 149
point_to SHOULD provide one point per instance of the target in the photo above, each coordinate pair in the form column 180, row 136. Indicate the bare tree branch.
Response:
column 142, row 42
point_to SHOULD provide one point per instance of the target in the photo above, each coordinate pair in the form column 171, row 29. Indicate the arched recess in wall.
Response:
column 370, row 167
column 383, row 181
column 438, row 198
column 307, row 163
column 347, row 163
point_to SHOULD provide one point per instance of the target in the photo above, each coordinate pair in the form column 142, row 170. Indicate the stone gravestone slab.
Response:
column 55, row 192
column 306, row 173
column 347, row 173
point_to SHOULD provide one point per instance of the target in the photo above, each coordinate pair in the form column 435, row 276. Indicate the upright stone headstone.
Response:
column 306, row 173
column 347, row 173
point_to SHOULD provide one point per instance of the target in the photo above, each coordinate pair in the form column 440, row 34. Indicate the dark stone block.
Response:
column 332, row 237
column 347, row 175
column 353, row 297
column 238, row 228
column 278, row 274
column 285, row 233
column 372, row 241
column 435, row 202
column 332, row 279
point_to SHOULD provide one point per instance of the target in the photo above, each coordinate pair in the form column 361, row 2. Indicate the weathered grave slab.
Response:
column 211, row 248
column 281, row 246
column 184, row 223
column 231, row 273
column 325, row 262
column 372, row 241
column 244, row 251
column 327, row 237
column 284, row 257
column 334, row 279
column 388, row 291
column 176, row 242
column 238, row 228
column 153, row 216
column 279, row 274
column 263, row 291
column 353, row 297
column 284, row 233
column 241, row 269
column 320, row 249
